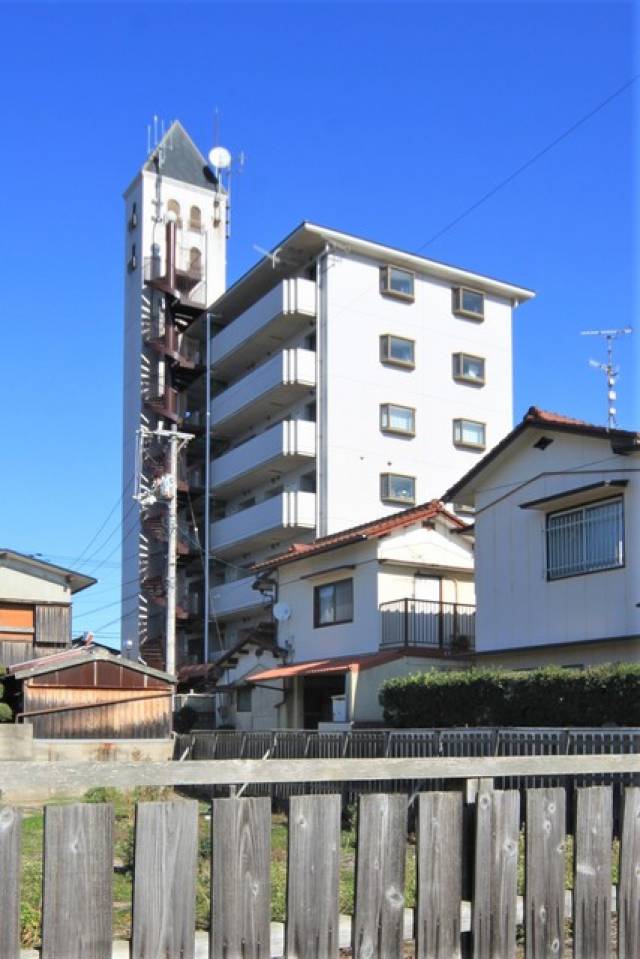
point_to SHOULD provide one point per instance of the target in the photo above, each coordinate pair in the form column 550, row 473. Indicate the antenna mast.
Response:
column 609, row 369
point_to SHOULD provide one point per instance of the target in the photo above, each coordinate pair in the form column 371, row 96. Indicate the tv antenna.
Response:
column 609, row 369
column 274, row 257
column 223, row 165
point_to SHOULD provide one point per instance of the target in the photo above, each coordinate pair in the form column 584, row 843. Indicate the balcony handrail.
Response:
column 436, row 624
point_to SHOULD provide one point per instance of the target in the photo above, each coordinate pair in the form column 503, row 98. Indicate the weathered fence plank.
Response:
column 10, row 823
column 545, row 874
column 592, row 887
column 241, row 885
column 77, row 889
column 313, row 877
column 496, row 874
column 439, row 875
column 70, row 775
column 164, row 892
column 629, row 886
column 380, row 867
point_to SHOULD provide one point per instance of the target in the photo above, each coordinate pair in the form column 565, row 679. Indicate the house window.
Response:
column 397, row 351
column 470, row 434
column 469, row 369
column 397, row 419
column 468, row 303
column 195, row 218
column 333, row 603
column 396, row 282
column 586, row 539
column 243, row 699
column 395, row 488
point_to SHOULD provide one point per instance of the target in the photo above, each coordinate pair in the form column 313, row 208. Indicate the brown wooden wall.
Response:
column 53, row 625
column 28, row 631
column 148, row 716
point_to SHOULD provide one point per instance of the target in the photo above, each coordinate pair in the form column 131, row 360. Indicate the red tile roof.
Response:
column 342, row 664
column 371, row 530
column 622, row 441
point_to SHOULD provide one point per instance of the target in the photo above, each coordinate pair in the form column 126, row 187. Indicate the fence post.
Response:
column 406, row 622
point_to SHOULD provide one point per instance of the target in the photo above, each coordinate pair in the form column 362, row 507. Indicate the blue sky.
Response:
column 385, row 120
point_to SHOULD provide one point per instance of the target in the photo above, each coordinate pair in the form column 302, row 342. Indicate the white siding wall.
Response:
column 516, row 604
column 355, row 383
column 25, row 587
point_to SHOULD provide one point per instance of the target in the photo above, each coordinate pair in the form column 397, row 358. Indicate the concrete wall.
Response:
column 576, row 654
column 365, row 685
column 355, row 451
column 517, row 606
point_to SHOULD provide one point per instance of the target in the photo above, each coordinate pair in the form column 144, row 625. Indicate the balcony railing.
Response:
column 428, row 624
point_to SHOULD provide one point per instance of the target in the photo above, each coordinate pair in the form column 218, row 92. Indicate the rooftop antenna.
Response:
column 222, row 162
column 609, row 369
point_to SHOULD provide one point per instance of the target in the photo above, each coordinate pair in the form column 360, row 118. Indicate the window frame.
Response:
column 463, row 444
column 385, row 283
column 458, row 301
column 385, row 407
column 388, row 498
column 316, row 603
column 385, row 354
column 593, row 504
column 458, row 369
column 246, row 690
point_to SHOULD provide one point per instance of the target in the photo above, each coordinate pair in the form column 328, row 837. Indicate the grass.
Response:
column 124, row 809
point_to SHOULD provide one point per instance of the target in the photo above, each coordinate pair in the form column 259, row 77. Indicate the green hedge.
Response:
column 493, row 697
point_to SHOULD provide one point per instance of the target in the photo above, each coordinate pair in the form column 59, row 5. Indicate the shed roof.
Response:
column 40, row 567
column 342, row 664
column 76, row 656
column 374, row 529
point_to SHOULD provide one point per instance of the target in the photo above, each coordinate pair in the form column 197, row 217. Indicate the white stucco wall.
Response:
column 355, row 383
column 22, row 586
column 516, row 604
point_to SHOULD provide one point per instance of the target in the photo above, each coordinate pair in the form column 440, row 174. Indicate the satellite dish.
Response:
column 281, row 612
column 220, row 158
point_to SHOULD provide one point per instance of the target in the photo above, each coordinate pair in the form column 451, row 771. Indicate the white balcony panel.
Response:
column 279, row 517
column 285, row 378
column 278, row 450
column 274, row 319
column 237, row 598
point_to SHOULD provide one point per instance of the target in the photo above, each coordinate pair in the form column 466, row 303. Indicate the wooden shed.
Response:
column 89, row 692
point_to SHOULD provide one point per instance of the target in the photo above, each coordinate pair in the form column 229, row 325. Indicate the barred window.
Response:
column 585, row 540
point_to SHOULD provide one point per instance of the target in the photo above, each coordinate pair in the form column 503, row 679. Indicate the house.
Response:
column 35, row 606
column 338, row 379
column 90, row 692
column 557, row 531
column 380, row 599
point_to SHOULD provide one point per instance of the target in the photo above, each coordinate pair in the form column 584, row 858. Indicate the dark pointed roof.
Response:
column 182, row 159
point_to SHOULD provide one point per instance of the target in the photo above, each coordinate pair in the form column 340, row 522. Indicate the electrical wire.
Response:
column 109, row 515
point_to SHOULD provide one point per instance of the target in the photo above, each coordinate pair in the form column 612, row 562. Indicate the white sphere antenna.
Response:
column 282, row 612
column 220, row 158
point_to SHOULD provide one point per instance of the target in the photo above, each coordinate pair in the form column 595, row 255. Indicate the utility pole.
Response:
column 165, row 488
column 608, row 368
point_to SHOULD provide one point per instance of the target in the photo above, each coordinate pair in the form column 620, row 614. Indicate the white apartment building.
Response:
column 175, row 256
column 351, row 380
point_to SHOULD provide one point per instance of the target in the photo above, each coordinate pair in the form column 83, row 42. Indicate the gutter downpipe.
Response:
column 321, row 322
column 207, row 494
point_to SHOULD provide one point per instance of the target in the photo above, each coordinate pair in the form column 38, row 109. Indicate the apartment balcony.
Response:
column 426, row 624
column 278, row 450
column 237, row 598
column 286, row 377
column 280, row 517
column 274, row 319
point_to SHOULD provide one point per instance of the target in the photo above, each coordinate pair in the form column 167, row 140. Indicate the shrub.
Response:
column 602, row 695
column 6, row 714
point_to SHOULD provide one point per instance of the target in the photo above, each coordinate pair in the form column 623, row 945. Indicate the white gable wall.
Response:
column 517, row 606
column 23, row 586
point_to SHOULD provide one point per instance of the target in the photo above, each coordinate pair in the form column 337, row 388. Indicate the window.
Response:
column 469, row 303
column 585, row 540
column 395, row 488
column 133, row 259
column 174, row 207
column 469, row 433
column 397, row 419
column 333, row 603
column 133, row 219
column 243, row 699
column 308, row 482
column 396, row 282
column 195, row 218
column 469, row 369
column 397, row 351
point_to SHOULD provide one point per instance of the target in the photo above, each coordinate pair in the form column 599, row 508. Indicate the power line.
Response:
column 524, row 166
column 109, row 515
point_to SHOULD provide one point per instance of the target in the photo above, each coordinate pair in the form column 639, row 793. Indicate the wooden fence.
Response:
column 78, row 862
